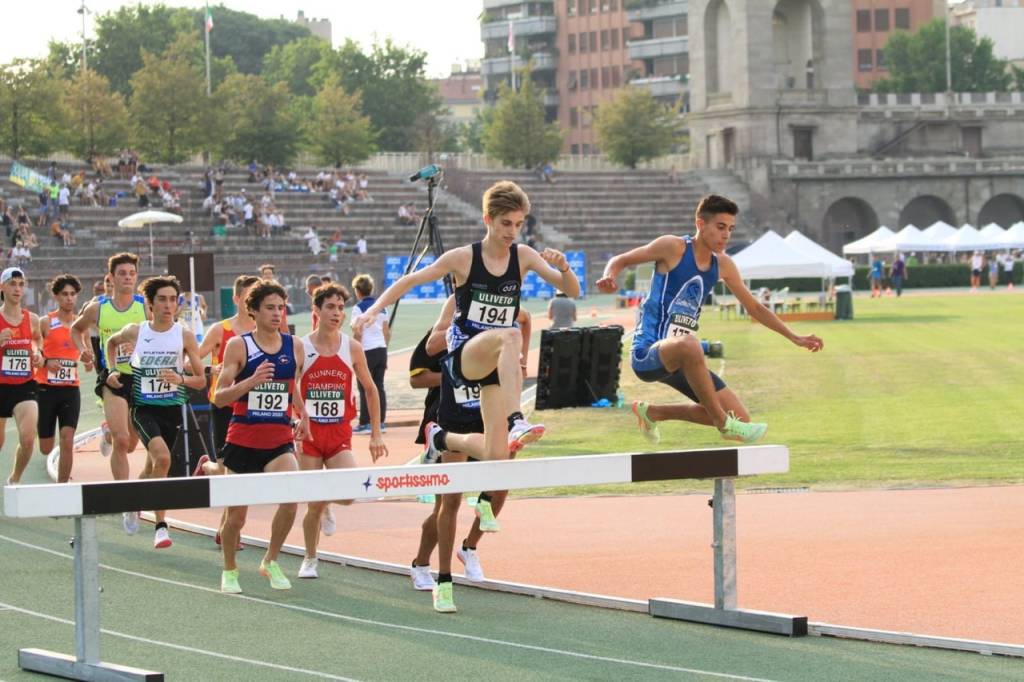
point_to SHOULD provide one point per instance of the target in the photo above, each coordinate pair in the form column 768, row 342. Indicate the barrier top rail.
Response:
column 368, row 483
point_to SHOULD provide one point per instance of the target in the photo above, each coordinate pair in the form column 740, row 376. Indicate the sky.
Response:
column 447, row 30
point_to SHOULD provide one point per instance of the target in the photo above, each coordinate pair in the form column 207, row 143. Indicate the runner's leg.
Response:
column 284, row 518
column 26, row 414
column 124, row 439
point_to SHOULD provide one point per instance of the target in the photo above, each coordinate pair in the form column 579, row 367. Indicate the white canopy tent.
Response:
column 938, row 231
column 1013, row 238
column 967, row 238
column 993, row 236
column 909, row 239
column 771, row 257
column 865, row 244
column 838, row 267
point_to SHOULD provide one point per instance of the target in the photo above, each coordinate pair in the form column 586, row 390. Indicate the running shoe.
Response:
column 198, row 471
column 745, row 432
column 422, row 579
column 278, row 581
column 161, row 539
column 362, row 430
column 8, row 481
column 229, row 582
column 431, row 455
column 444, row 600
column 522, row 434
column 328, row 524
column 106, row 440
column 308, row 568
column 469, row 559
column 488, row 523
column 130, row 522
column 216, row 538
column 648, row 428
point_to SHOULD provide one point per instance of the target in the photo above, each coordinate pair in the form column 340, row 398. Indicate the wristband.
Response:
column 567, row 269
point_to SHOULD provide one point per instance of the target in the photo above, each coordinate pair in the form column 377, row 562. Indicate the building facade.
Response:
column 321, row 28
column 462, row 93
column 1002, row 21
column 874, row 22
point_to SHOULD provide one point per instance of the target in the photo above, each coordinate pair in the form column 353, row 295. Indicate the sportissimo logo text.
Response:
column 386, row 483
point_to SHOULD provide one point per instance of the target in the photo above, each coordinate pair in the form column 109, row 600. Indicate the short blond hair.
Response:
column 503, row 197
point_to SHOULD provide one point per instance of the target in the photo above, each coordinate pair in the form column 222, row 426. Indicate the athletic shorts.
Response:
column 57, row 404
column 647, row 367
column 452, row 364
column 12, row 394
column 976, row 273
column 220, row 417
column 242, row 460
column 327, row 440
column 157, row 421
column 124, row 392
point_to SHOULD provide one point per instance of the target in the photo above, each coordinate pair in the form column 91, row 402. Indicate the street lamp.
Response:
column 83, row 10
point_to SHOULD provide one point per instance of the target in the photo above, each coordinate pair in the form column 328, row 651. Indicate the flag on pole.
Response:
column 209, row 20
column 511, row 37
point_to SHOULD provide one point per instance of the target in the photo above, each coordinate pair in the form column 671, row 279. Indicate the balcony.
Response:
column 551, row 98
column 649, row 11
column 500, row 66
column 527, row 26
column 658, row 47
column 661, row 86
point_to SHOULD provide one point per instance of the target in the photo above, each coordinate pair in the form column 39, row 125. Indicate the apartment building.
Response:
column 874, row 21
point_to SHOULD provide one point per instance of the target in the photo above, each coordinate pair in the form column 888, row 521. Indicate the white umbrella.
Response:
column 146, row 219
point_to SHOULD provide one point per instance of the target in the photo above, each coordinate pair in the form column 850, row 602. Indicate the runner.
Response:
column 158, row 380
column 666, row 347
column 332, row 358
column 60, row 399
column 268, row 271
column 257, row 379
column 313, row 283
column 483, row 345
column 110, row 315
column 19, row 356
column 460, row 413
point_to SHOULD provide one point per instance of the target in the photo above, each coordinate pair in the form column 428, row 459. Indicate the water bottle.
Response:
column 620, row 400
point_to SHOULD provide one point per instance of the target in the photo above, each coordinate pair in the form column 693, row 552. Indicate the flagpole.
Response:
column 206, row 32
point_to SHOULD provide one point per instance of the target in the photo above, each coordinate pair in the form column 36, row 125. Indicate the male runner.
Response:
column 313, row 283
column 268, row 271
column 258, row 379
column 109, row 316
column 483, row 344
column 59, row 398
column 666, row 347
column 332, row 359
column 19, row 356
column 158, row 380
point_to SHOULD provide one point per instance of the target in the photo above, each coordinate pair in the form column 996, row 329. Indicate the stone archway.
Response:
column 717, row 46
column 1002, row 209
column 797, row 42
column 926, row 210
column 847, row 220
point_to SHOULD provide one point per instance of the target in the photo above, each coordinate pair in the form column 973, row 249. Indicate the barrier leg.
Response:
column 724, row 611
column 85, row 664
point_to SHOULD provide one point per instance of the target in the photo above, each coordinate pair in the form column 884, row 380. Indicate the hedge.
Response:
column 920, row 276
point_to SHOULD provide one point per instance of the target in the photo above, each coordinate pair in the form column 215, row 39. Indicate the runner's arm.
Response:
column 456, row 260
column 81, row 326
column 377, row 447
column 525, row 328
column 652, row 252
column 298, row 404
column 37, row 340
column 197, row 378
column 565, row 281
column 234, row 361
column 212, row 340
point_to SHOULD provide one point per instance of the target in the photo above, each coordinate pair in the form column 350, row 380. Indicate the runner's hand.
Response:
column 52, row 364
column 607, row 285
column 37, row 359
column 89, row 366
column 362, row 322
column 555, row 258
column 810, row 342
column 6, row 335
column 114, row 380
column 88, row 358
column 172, row 377
column 377, row 447
column 301, row 431
column 263, row 373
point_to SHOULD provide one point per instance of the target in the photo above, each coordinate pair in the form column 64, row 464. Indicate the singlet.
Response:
column 326, row 385
column 262, row 418
column 226, row 335
column 154, row 352
column 16, row 352
column 57, row 345
column 110, row 321
column 672, row 307
column 485, row 301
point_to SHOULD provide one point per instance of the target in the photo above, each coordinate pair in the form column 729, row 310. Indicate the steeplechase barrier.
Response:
column 85, row 501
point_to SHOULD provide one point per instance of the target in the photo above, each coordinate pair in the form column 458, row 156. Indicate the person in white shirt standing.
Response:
column 375, row 339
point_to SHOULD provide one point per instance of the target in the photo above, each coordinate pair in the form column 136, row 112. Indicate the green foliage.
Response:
column 31, row 110
column 259, row 123
column 337, row 131
column 473, row 134
column 917, row 62
column 635, row 127
column 123, row 35
column 97, row 117
column 519, row 134
column 293, row 63
column 1018, row 77
column 245, row 37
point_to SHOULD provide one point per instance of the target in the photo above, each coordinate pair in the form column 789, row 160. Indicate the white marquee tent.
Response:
column 939, row 231
column 1014, row 237
column 909, row 239
column 771, row 257
column 967, row 238
column 865, row 244
column 838, row 267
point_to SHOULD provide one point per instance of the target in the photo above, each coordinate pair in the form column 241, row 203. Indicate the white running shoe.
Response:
column 469, row 559
column 422, row 579
column 431, row 455
column 106, row 446
column 161, row 539
column 130, row 521
column 308, row 568
column 522, row 434
column 328, row 524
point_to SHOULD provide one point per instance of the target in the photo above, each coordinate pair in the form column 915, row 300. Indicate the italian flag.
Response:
column 209, row 20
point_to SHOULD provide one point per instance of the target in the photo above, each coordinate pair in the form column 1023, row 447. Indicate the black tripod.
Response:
column 428, row 238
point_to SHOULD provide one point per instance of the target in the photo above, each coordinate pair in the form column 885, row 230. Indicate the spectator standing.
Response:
column 375, row 338
column 1008, row 261
column 899, row 274
column 993, row 272
column 561, row 311
column 877, row 267
column 977, row 265
column 64, row 200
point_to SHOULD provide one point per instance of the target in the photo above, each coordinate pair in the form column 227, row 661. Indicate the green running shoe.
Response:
column 648, row 428
column 488, row 524
column 278, row 581
column 229, row 582
column 745, row 432
column 444, row 601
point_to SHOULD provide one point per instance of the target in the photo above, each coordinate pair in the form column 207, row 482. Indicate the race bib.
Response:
column 269, row 400
column 684, row 311
column 680, row 324
column 16, row 364
column 492, row 310
column 467, row 395
column 326, row 406
column 66, row 373
column 123, row 353
column 152, row 387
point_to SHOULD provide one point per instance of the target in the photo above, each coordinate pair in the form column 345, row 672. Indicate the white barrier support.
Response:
column 84, row 501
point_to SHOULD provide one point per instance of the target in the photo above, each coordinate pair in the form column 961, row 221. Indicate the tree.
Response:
column 169, row 106
column 473, row 134
column 293, row 63
column 261, row 123
column 917, row 61
column 634, row 127
column 519, row 135
column 97, row 116
column 31, row 108
column 337, row 132
column 244, row 37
